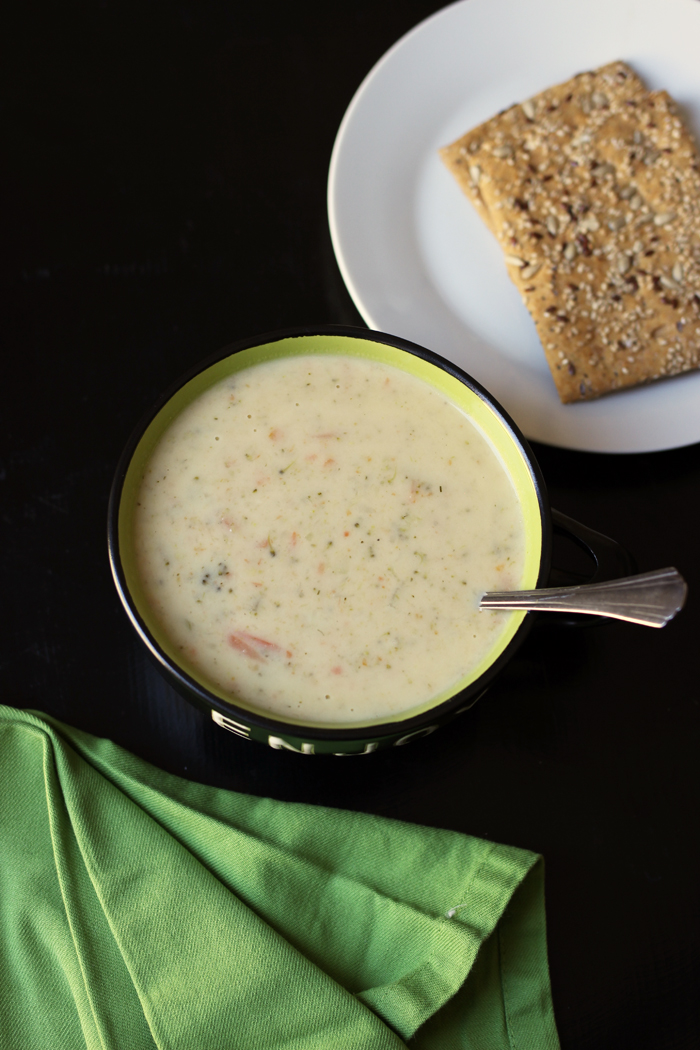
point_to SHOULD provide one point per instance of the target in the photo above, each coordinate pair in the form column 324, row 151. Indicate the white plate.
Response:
column 416, row 257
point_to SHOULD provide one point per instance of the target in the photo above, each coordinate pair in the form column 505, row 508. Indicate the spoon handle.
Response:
column 652, row 598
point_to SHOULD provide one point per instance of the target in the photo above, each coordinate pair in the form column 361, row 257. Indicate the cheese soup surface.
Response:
column 314, row 535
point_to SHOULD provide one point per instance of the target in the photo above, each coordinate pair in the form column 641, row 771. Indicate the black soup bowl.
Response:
column 238, row 715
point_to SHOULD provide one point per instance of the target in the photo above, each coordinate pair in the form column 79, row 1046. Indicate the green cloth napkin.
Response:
column 139, row 910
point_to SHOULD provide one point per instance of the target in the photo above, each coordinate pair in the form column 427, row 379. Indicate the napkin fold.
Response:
column 141, row 910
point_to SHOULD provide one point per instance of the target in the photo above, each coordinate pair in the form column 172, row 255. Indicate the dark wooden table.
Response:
column 165, row 195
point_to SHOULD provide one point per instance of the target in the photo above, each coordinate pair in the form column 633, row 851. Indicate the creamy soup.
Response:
column 314, row 535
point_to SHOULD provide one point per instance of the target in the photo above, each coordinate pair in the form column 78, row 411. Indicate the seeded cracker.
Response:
column 593, row 191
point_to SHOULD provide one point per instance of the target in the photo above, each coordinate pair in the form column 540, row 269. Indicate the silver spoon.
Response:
column 652, row 598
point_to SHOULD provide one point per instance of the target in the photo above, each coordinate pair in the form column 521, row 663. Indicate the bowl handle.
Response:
column 609, row 560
